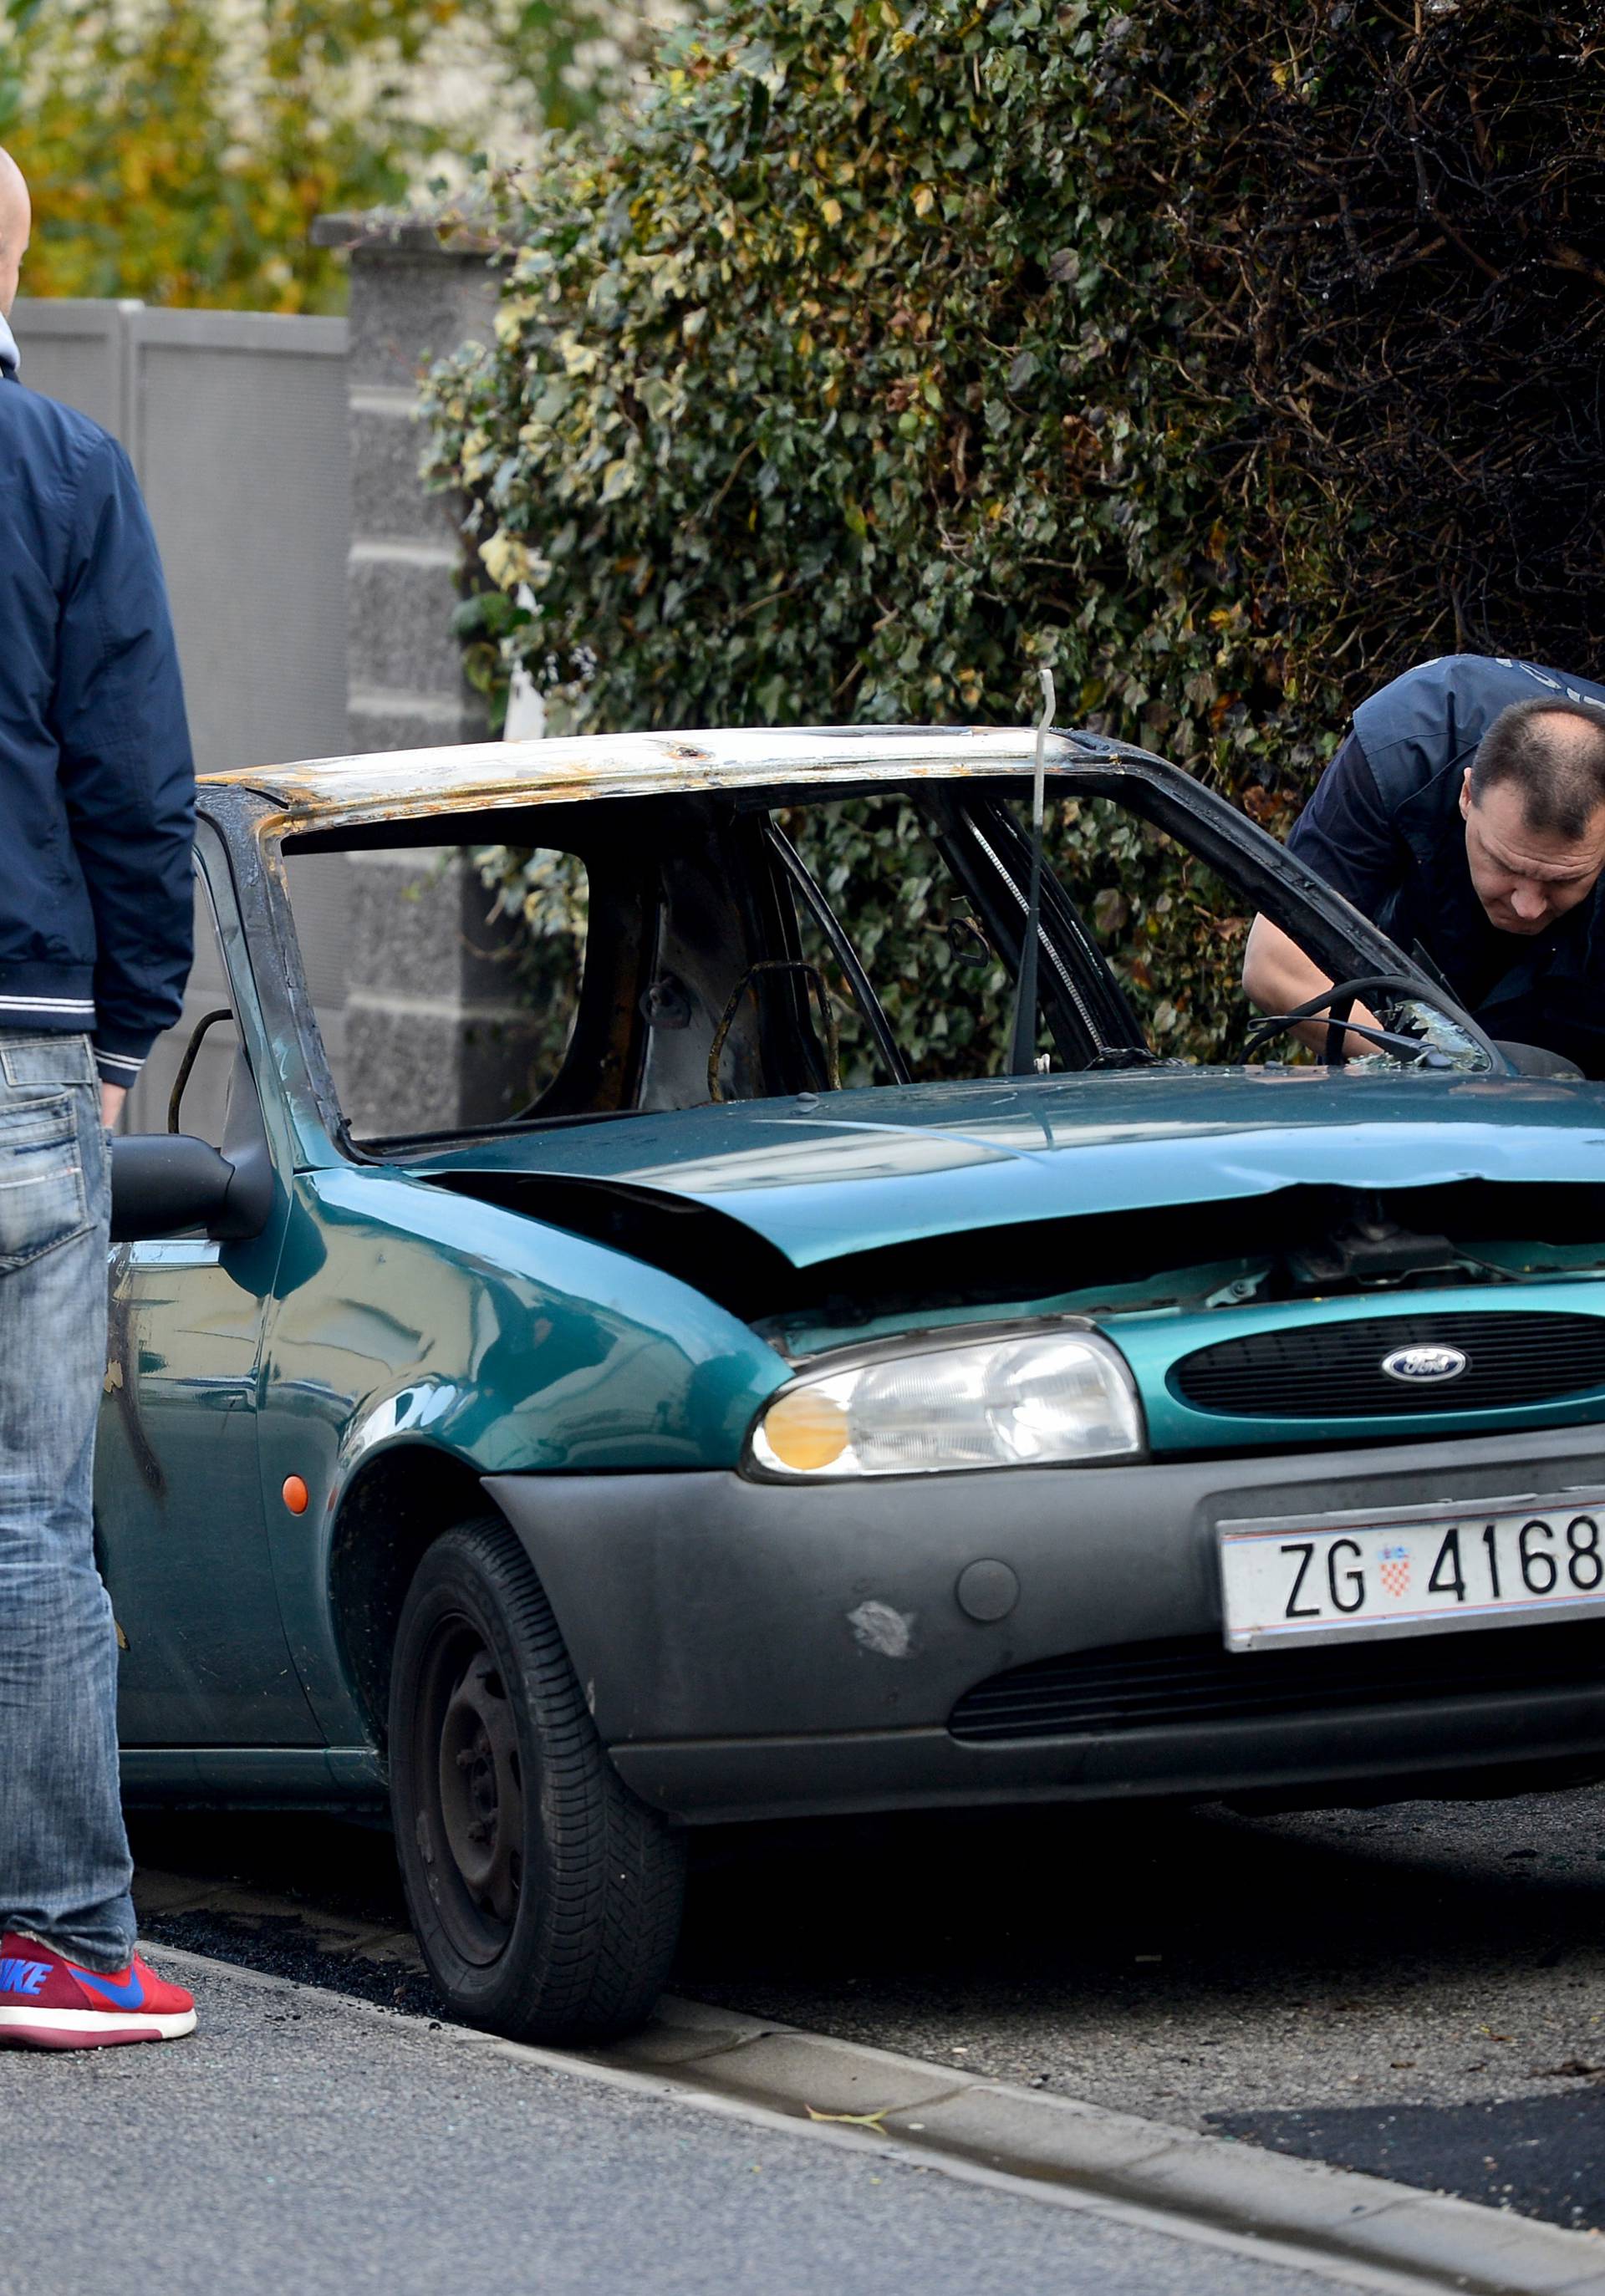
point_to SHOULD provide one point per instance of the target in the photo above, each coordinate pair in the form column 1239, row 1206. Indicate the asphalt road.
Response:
column 1418, row 1991
column 293, row 2144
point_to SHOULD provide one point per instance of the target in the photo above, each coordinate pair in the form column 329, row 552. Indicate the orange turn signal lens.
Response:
column 806, row 1430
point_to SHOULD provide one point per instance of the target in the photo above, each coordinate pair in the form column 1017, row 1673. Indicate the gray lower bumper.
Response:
column 749, row 1649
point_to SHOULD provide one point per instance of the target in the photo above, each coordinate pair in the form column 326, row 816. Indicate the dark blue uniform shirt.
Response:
column 1384, row 826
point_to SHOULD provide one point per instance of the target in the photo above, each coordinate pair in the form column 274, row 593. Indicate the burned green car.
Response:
column 715, row 1358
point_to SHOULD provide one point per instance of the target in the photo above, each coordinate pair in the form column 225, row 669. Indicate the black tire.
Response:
column 546, row 1897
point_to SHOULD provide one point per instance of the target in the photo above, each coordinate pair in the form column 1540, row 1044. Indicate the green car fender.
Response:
column 418, row 1340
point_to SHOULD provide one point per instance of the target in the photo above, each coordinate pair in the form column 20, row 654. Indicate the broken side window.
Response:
column 444, row 979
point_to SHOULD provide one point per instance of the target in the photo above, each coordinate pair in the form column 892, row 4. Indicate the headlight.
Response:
column 1041, row 1398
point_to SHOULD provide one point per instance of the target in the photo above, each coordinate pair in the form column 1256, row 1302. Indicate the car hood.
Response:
column 854, row 1171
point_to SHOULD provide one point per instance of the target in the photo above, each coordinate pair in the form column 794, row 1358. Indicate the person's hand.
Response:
column 113, row 1096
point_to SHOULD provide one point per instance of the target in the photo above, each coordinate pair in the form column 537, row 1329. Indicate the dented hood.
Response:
column 853, row 1171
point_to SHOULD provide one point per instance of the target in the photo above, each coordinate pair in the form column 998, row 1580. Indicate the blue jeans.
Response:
column 64, row 1866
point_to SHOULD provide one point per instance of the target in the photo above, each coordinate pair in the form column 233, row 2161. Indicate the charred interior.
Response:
column 735, row 949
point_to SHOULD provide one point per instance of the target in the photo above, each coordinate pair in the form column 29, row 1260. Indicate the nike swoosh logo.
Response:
column 123, row 1992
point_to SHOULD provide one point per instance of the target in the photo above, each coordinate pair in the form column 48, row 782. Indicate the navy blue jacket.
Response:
column 1384, row 827
column 97, row 788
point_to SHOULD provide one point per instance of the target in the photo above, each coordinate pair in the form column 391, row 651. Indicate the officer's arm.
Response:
column 1345, row 835
column 1277, row 976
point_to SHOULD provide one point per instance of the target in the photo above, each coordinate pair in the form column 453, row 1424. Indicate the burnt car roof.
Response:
column 324, row 793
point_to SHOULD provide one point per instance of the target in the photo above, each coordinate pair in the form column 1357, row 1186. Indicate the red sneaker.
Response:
column 46, row 2003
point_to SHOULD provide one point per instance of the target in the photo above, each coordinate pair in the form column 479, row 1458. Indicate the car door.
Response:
column 179, row 1496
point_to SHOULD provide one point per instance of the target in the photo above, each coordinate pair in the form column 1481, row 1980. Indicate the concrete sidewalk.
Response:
column 1139, row 2168
column 305, row 2143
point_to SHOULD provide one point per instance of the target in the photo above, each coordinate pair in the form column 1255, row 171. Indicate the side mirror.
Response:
column 167, row 1184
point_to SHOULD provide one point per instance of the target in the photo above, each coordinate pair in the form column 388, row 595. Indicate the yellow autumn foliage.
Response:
column 180, row 149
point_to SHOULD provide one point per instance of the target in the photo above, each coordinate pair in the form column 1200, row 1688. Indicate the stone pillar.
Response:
column 416, row 296
column 434, row 1030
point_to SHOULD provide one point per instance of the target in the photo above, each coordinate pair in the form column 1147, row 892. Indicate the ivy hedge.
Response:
column 1227, row 357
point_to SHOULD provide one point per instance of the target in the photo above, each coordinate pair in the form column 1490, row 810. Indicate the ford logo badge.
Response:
column 1418, row 1366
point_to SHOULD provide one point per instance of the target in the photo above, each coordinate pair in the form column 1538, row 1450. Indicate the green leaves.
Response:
column 881, row 356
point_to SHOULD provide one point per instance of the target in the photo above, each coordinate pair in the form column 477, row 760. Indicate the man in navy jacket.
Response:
column 98, row 790
column 96, row 815
column 1465, row 814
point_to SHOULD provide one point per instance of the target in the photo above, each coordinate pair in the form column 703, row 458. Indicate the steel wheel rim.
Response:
column 470, row 1791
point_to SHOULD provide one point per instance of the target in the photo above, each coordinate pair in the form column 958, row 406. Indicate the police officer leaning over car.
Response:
column 1465, row 814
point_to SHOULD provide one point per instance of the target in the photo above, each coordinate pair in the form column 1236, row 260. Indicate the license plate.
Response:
column 1351, row 1576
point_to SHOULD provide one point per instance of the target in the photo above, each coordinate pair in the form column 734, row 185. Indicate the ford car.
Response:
column 610, row 1338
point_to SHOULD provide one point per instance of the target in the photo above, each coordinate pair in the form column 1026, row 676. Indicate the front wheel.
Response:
column 546, row 1897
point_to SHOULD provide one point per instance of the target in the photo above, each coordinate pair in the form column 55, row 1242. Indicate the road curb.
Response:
column 1034, row 2134
column 1372, row 2230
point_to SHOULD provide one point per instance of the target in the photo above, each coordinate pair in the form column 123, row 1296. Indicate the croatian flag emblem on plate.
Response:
column 1394, row 1570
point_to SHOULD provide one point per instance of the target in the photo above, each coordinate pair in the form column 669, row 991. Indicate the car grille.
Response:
column 1195, row 1680
column 1334, row 1371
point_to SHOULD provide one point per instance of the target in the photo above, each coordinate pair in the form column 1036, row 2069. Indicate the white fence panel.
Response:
column 236, row 423
column 78, row 352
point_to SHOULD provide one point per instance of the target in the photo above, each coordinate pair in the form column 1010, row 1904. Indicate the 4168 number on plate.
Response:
column 1292, row 1582
column 1500, row 1562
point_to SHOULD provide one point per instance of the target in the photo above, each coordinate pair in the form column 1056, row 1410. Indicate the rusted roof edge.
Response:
column 486, row 776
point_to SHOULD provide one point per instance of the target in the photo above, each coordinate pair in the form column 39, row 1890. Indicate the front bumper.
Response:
column 755, row 1650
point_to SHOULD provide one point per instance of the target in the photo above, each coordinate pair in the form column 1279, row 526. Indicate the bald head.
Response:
column 16, row 221
column 1533, row 802
column 1551, row 754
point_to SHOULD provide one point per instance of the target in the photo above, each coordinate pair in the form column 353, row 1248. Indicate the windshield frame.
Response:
column 258, row 831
